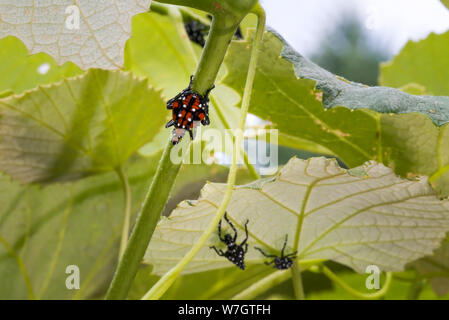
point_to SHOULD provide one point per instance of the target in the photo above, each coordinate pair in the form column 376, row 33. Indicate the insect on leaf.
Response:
column 328, row 213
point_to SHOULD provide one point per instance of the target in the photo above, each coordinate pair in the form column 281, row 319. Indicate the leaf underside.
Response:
column 436, row 268
column 358, row 218
column 50, row 27
column 77, row 127
column 60, row 225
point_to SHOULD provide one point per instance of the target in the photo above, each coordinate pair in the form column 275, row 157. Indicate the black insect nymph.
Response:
column 235, row 252
column 282, row 262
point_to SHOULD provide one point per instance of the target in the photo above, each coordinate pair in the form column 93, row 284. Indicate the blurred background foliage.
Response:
column 352, row 52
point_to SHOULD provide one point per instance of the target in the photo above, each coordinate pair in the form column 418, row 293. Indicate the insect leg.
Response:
column 291, row 255
column 231, row 225
column 170, row 123
column 246, row 248
column 208, row 91
column 192, row 137
column 191, row 83
column 266, row 255
column 285, row 244
column 246, row 232
column 219, row 232
column 219, row 252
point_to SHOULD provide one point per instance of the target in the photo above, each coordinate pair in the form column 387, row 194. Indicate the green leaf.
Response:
column 417, row 145
column 424, row 62
column 60, row 225
column 328, row 213
column 26, row 71
column 446, row 3
column 309, row 110
column 294, row 106
column 92, row 34
column 170, row 65
column 77, row 127
column 436, row 268
column 336, row 91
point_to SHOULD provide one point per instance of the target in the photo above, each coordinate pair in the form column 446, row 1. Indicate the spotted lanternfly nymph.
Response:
column 283, row 262
column 189, row 109
column 196, row 32
column 235, row 252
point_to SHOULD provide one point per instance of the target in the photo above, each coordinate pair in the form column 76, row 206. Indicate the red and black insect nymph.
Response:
column 189, row 109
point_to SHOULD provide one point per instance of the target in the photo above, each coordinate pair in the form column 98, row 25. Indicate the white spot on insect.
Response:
column 190, row 120
column 179, row 115
column 184, row 106
column 43, row 68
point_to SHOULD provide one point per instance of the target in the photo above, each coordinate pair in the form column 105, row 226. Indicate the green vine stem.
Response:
column 366, row 296
column 263, row 285
column 416, row 288
column 149, row 215
column 164, row 9
column 167, row 280
column 297, row 281
column 220, row 37
column 211, row 60
column 127, row 217
column 176, row 16
column 252, row 170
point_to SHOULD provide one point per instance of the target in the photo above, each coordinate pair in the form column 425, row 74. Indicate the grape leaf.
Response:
column 75, row 223
column 170, row 64
column 436, row 267
column 97, row 41
column 26, row 71
column 328, row 110
column 338, row 91
column 359, row 217
column 77, row 127
column 420, row 146
column 424, row 62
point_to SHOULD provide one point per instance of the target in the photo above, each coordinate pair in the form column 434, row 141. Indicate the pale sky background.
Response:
column 304, row 22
